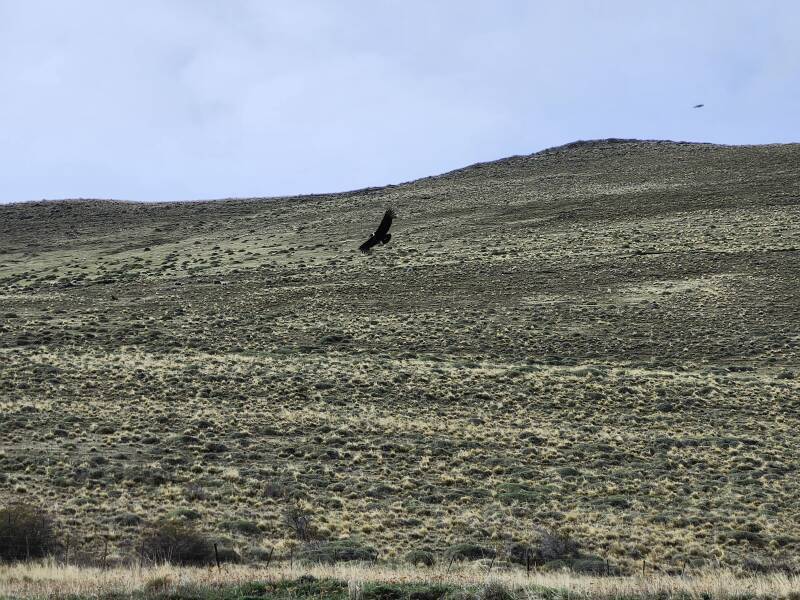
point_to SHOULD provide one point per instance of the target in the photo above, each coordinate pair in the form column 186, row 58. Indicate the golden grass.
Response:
column 601, row 339
column 51, row 580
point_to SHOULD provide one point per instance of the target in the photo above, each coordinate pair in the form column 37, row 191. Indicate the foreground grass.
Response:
column 354, row 581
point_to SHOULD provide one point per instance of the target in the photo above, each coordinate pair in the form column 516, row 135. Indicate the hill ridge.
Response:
column 574, row 145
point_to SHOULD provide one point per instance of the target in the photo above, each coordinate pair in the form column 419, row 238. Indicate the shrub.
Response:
column 127, row 519
column 242, row 526
column 588, row 566
column 261, row 554
column 468, row 551
column 178, row 543
column 157, row 585
column 228, row 555
column 299, row 520
column 420, row 557
column 495, row 591
column 25, row 532
column 768, row 566
column 556, row 545
column 276, row 490
column 522, row 553
column 194, row 491
column 189, row 514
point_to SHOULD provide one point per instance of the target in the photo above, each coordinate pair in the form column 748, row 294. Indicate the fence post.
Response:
column 642, row 567
column 105, row 554
column 527, row 562
column 269, row 558
column 216, row 556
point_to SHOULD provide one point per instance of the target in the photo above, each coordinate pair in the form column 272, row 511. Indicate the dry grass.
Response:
column 49, row 580
column 601, row 339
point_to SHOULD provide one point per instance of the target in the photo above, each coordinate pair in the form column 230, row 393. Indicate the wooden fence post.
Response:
column 216, row 556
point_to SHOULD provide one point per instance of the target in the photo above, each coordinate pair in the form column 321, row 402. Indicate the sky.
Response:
column 198, row 99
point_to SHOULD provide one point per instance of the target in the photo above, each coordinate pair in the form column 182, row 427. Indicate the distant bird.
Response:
column 698, row 106
column 381, row 234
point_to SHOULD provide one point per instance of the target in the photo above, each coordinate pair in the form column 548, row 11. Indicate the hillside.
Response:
column 602, row 337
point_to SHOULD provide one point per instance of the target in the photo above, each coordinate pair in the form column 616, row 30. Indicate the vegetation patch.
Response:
column 26, row 533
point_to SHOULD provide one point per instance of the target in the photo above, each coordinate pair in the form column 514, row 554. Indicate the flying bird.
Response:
column 381, row 234
column 698, row 106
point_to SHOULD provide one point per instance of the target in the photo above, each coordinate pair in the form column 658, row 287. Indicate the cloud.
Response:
column 179, row 99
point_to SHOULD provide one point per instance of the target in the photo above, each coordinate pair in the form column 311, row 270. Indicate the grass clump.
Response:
column 330, row 552
column 242, row 526
column 420, row 557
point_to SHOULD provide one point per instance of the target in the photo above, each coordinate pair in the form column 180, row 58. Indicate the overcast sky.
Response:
column 190, row 99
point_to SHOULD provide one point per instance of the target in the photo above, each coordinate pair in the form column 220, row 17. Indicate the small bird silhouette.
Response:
column 698, row 106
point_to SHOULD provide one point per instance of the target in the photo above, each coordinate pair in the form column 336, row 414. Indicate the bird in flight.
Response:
column 698, row 106
column 381, row 234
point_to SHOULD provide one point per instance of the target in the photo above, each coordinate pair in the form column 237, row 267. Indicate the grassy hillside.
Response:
column 602, row 338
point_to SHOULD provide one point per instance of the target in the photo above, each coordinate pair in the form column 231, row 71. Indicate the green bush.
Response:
column 522, row 553
column 469, row 551
column 178, row 543
column 25, row 532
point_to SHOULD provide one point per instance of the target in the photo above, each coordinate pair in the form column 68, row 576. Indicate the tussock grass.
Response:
column 49, row 580
column 601, row 339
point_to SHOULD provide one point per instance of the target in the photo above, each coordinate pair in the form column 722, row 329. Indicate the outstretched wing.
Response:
column 365, row 247
column 386, row 222
column 380, row 232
